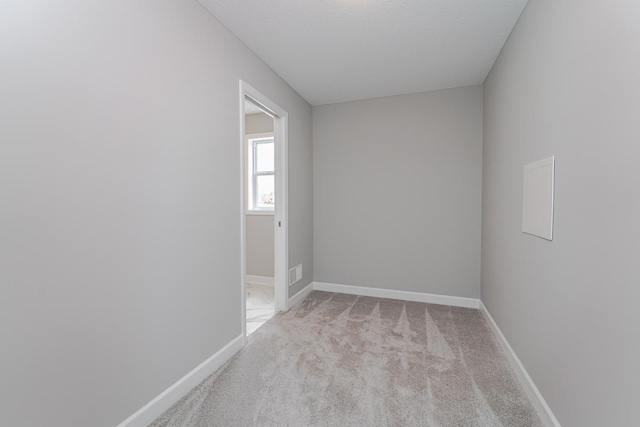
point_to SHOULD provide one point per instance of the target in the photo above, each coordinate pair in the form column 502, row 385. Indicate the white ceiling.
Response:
column 343, row 50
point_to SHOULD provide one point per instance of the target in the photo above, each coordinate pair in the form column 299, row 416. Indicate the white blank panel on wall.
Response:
column 537, row 198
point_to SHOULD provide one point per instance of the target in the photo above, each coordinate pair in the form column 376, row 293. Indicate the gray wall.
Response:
column 566, row 84
column 120, row 201
column 300, row 167
column 260, row 231
column 260, row 245
column 258, row 123
column 397, row 192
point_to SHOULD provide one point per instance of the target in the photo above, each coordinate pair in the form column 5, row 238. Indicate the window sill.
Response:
column 271, row 213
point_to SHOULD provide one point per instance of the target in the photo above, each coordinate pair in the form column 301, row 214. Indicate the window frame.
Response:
column 252, row 141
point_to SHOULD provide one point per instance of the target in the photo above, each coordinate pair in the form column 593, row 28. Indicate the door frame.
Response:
column 281, row 228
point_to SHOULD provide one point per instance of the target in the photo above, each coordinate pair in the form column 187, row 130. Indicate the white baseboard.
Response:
column 532, row 391
column 402, row 295
column 297, row 298
column 260, row 280
column 152, row 410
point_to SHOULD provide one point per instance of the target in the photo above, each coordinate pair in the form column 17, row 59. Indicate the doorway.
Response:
column 264, row 246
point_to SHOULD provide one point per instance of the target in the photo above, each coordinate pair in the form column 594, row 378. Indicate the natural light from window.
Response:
column 261, row 159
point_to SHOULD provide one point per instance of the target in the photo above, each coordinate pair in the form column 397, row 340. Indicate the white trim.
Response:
column 534, row 394
column 258, row 135
column 297, row 298
column 243, row 221
column 261, row 213
column 281, row 233
column 152, row 410
column 260, row 280
column 281, row 238
column 394, row 294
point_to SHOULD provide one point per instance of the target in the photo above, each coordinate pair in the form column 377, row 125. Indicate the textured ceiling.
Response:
column 343, row 50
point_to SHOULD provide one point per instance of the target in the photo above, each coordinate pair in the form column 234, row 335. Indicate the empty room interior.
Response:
column 319, row 213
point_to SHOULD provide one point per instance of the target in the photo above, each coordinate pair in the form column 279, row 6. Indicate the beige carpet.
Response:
column 343, row 360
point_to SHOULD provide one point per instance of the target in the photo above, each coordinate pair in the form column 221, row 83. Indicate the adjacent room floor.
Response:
column 344, row 360
column 260, row 305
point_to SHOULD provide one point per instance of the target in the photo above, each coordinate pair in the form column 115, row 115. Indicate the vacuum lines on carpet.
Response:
column 345, row 360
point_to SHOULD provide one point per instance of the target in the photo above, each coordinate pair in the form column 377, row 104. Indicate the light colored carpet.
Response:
column 343, row 360
column 260, row 305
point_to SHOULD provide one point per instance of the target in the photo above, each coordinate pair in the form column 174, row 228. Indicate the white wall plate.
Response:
column 537, row 198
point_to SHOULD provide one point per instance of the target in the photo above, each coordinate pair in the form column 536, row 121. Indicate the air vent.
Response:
column 295, row 274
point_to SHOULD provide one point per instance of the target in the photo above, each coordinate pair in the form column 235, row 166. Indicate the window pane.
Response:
column 265, row 191
column 265, row 157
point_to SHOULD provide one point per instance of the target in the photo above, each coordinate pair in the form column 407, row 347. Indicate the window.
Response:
column 261, row 166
